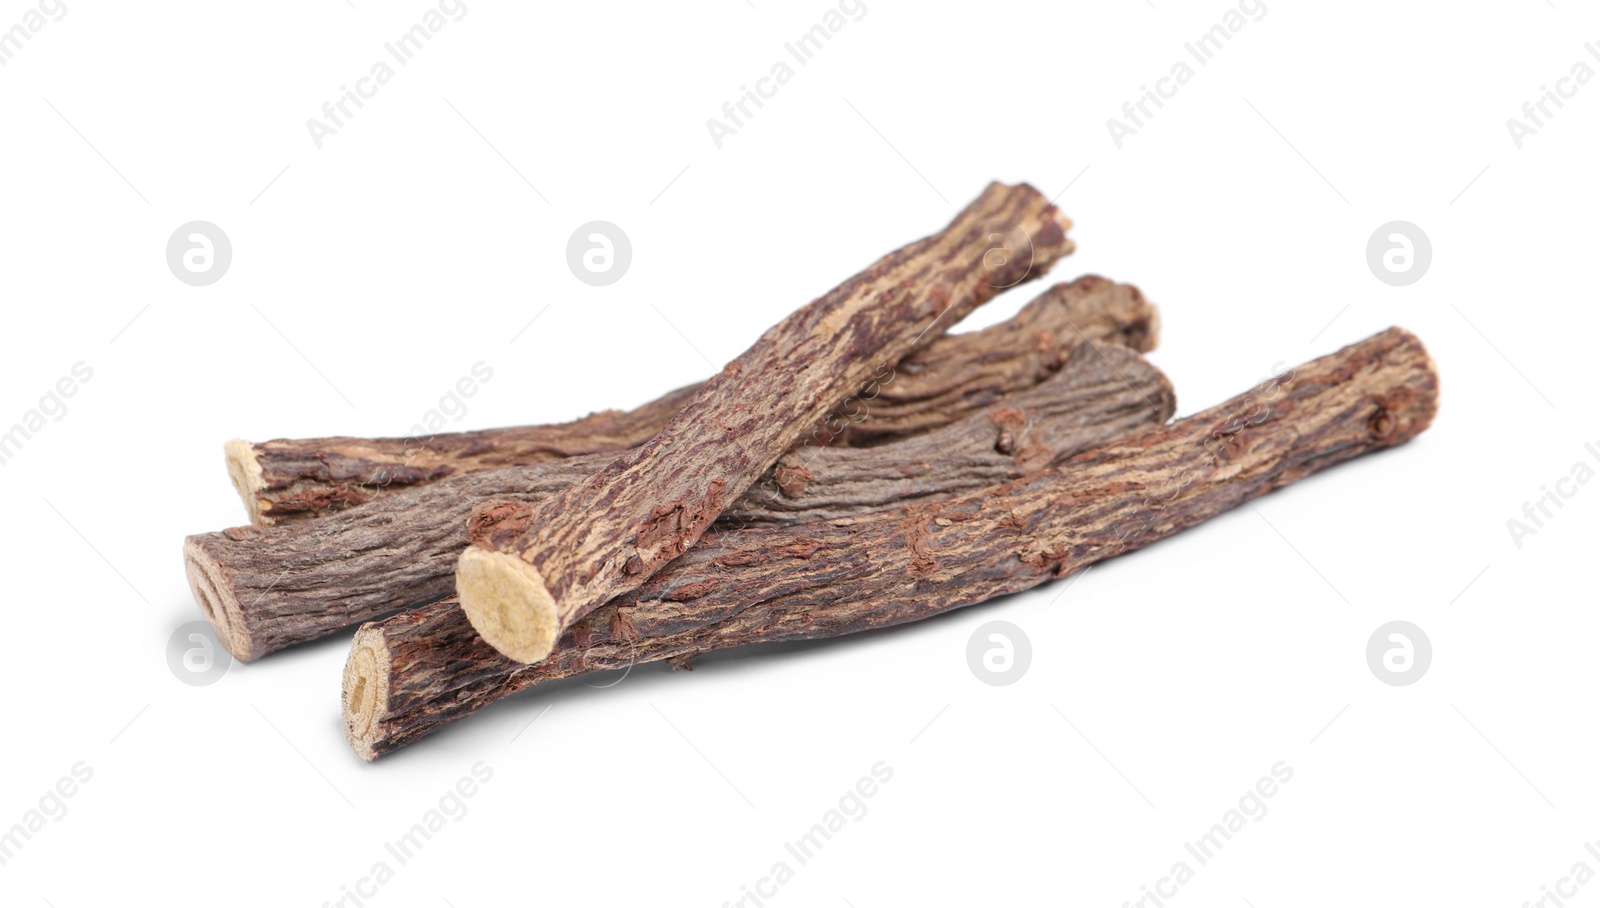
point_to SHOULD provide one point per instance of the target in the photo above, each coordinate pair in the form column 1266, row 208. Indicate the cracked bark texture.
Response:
column 607, row 535
column 288, row 480
column 412, row 673
column 264, row 588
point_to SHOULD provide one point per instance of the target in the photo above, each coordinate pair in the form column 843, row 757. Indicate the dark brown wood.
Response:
column 289, row 480
column 608, row 534
column 264, row 588
column 410, row 674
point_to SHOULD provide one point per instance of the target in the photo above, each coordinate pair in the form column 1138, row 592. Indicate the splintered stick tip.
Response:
column 244, row 468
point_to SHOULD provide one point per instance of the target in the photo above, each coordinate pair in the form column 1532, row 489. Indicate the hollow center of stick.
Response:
column 365, row 692
column 210, row 590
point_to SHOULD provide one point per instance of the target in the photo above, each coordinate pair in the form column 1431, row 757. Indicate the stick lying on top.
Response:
column 266, row 588
column 413, row 672
column 290, row 480
column 610, row 533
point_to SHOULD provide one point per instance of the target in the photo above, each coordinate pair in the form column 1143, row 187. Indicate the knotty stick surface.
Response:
column 611, row 532
column 263, row 588
column 289, row 480
column 413, row 672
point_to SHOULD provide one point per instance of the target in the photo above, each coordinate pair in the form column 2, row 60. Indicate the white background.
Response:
column 373, row 273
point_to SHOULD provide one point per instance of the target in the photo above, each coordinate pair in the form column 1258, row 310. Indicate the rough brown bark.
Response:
column 288, row 480
column 608, row 534
column 1100, row 394
column 959, row 374
column 413, row 672
column 264, row 588
column 291, row 479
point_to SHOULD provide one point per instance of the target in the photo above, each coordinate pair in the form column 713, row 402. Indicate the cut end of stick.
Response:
column 244, row 468
column 365, row 695
column 508, row 604
column 217, row 600
column 1152, row 331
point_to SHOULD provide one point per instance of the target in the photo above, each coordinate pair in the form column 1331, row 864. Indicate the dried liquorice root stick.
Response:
column 291, row 480
column 413, row 672
column 610, row 533
column 1101, row 393
column 263, row 588
column 961, row 373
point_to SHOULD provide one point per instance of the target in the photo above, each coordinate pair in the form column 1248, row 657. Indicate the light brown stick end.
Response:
column 218, row 602
column 1152, row 334
column 244, row 468
column 508, row 604
column 364, row 697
